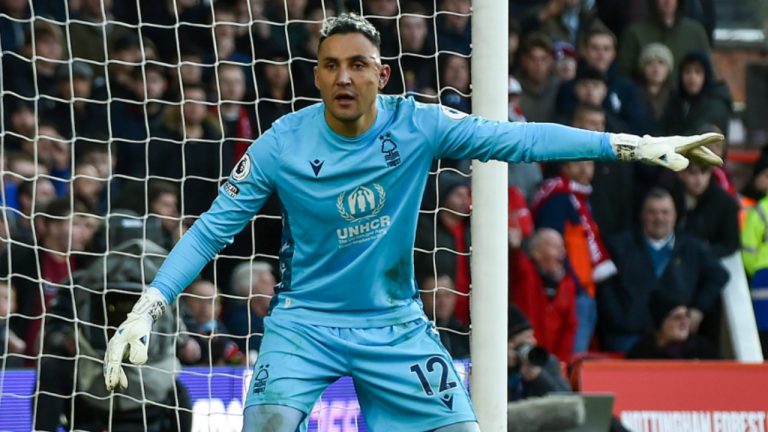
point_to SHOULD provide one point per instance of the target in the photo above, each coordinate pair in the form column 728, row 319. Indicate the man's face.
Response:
column 549, row 253
column 456, row 74
column 590, row 120
column 413, row 33
column 591, row 91
column 655, row 71
column 349, row 75
column 262, row 291
column 600, row 52
column 459, row 200
column 203, row 303
column 659, row 217
column 677, row 325
column 537, row 64
column 438, row 298
column 667, row 8
column 581, row 172
column 693, row 78
column 194, row 108
column 232, row 83
column 277, row 74
column 695, row 179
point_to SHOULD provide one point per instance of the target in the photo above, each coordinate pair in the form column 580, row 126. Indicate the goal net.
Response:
column 119, row 122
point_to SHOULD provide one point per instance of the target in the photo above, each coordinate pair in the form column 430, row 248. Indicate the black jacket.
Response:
column 693, row 271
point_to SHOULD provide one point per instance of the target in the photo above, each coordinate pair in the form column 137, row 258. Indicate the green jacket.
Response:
column 684, row 36
column 754, row 238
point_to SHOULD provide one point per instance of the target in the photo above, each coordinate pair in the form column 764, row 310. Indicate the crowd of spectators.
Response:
column 142, row 108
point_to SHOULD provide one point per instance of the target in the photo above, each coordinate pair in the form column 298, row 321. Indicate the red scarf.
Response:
column 578, row 193
column 243, row 132
column 723, row 179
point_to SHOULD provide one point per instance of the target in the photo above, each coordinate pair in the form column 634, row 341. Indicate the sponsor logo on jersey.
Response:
column 389, row 148
column 453, row 114
column 231, row 189
column 317, row 165
column 242, row 169
column 361, row 207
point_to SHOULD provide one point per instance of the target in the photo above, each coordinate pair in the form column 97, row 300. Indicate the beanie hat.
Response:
column 517, row 321
column 659, row 51
column 661, row 303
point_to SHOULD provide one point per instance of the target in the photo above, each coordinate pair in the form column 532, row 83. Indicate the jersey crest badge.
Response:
column 242, row 169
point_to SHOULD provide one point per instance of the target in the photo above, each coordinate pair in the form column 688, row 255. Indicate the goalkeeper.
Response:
column 350, row 174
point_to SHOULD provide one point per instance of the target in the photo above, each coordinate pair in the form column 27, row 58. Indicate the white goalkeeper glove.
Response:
column 134, row 332
column 673, row 152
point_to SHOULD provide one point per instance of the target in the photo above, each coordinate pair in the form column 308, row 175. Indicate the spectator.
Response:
column 13, row 24
column 562, row 204
column 303, row 61
column 55, row 153
column 126, row 54
column 237, row 117
column 94, row 29
column 17, row 262
column 253, row 34
column 564, row 20
column 34, row 197
column 35, row 79
column 9, row 339
column 455, row 82
column 706, row 211
column 253, row 285
column 275, row 94
column 656, row 66
column 699, row 99
column 537, row 78
column 524, row 378
column 520, row 224
column 87, row 187
column 135, row 116
column 665, row 24
column 671, row 337
column 384, row 16
column 163, row 200
column 454, row 32
column 566, row 60
column 182, row 148
column 21, row 125
column 612, row 183
column 591, row 89
column 524, row 176
column 18, row 167
column 155, row 400
column 204, row 307
column 449, row 232
column 545, row 292
column 77, row 115
column 655, row 258
column 757, row 185
column 414, row 71
column 513, row 45
column 622, row 99
column 754, row 253
column 439, row 299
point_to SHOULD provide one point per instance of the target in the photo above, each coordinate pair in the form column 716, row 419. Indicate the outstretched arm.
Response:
column 240, row 198
column 458, row 136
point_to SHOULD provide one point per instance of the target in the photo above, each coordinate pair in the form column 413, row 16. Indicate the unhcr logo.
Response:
column 362, row 202
column 361, row 208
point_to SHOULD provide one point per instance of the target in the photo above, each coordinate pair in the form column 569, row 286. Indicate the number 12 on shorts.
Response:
column 431, row 364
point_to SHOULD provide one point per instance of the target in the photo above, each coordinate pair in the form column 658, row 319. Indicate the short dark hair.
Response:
column 657, row 193
column 350, row 23
column 537, row 40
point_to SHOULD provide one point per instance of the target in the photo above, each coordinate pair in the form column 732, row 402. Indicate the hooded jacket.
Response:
column 687, row 113
column 102, row 294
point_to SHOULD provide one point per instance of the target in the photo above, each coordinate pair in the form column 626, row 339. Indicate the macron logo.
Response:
column 317, row 165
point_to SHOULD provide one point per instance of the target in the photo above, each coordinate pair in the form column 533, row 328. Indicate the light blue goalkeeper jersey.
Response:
column 350, row 205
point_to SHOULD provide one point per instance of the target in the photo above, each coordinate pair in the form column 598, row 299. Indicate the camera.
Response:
column 534, row 354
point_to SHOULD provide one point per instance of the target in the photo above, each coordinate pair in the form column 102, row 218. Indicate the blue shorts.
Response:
column 403, row 377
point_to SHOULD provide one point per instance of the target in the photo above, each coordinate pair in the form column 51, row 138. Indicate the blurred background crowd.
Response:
column 120, row 119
